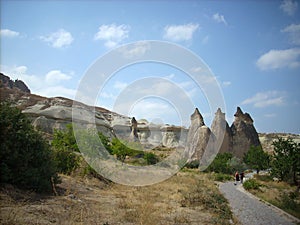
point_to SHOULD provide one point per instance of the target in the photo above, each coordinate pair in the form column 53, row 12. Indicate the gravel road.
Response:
column 249, row 210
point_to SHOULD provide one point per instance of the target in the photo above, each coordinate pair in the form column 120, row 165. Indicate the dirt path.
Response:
column 250, row 210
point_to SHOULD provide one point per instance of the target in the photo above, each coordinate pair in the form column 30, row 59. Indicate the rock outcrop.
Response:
column 134, row 135
column 237, row 139
column 48, row 114
column 222, row 132
column 244, row 133
column 267, row 139
column 5, row 81
column 197, row 138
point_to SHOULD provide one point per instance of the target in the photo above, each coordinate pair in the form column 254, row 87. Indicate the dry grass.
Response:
column 90, row 201
column 280, row 194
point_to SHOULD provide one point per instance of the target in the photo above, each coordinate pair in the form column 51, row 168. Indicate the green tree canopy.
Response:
column 257, row 159
column 26, row 159
column 221, row 163
column 286, row 159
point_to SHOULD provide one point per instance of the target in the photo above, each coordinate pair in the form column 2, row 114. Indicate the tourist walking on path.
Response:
column 242, row 176
column 237, row 177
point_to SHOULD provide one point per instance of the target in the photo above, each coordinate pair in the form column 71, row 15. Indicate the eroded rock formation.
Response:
column 244, row 133
column 5, row 81
column 236, row 139
column 197, row 138
column 48, row 114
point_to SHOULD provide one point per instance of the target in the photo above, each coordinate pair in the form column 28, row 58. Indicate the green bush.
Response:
column 151, row 158
column 251, row 184
column 26, row 158
column 193, row 164
column 66, row 160
column 222, row 177
column 221, row 164
column 65, row 150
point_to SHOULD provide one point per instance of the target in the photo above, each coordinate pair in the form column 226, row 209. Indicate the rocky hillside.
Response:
column 48, row 114
column 267, row 139
column 6, row 82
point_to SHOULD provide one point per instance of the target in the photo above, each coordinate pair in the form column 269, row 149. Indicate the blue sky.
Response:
column 251, row 47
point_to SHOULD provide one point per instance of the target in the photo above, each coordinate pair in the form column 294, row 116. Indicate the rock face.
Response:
column 197, row 138
column 243, row 133
column 48, row 114
column 237, row 139
column 266, row 140
column 5, row 81
column 134, row 135
column 222, row 132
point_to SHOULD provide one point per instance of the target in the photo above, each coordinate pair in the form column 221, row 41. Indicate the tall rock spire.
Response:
column 222, row 132
column 198, row 137
column 244, row 133
column 134, row 135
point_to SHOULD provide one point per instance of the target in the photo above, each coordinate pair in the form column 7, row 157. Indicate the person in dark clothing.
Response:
column 237, row 177
column 242, row 176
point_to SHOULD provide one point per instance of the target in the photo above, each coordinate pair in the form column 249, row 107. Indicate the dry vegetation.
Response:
column 280, row 194
column 187, row 198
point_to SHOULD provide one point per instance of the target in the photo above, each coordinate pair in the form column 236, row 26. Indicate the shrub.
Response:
column 151, row 158
column 251, row 184
column 193, row 164
column 265, row 178
column 26, row 158
column 221, row 163
column 209, row 198
column 65, row 150
column 222, row 177
column 66, row 160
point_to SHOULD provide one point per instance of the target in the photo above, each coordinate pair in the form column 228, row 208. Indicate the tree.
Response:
column 119, row 149
column 257, row 159
column 26, row 159
column 221, row 163
column 64, row 148
column 286, row 159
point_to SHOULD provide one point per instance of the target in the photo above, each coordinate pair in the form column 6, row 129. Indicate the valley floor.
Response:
column 186, row 198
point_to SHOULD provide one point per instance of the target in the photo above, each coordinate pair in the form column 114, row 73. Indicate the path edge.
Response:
column 273, row 207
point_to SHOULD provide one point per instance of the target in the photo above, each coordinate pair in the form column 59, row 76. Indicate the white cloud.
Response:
column 155, row 111
column 270, row 115
column 170, row 76
column 46, row 85
column 55, row 91
column 180, row 32
column 275, row 59
column 58, row 39
column 56, row 76
column 219, row 18
column 120, row 85
column 293, row 31
column 137, row 49
column 289, row 7
column 226, row 83
column 265, row 99
column 112, row 34
column 9, row 33
column 107, row 95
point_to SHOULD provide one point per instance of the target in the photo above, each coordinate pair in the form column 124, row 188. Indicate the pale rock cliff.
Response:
column 197, row 138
